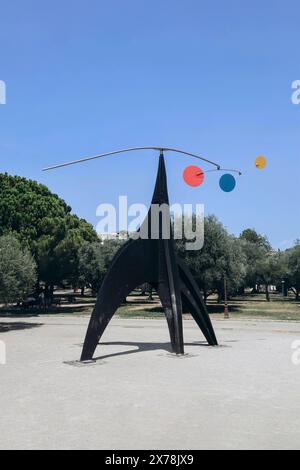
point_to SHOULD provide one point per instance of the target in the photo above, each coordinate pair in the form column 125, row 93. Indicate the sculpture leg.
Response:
column 170, row 294
column 118, row 283
column 192, row 298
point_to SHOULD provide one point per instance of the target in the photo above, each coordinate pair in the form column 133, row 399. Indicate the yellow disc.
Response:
column 261, row 162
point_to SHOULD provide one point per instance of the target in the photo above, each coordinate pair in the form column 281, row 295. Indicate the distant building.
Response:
column 113, row 236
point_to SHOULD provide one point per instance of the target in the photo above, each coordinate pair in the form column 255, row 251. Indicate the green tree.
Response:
column 94, row 261
column 43, row 223
column 293, row 269
column 17, row 270
column 257, row 251
column 251, row 236
column 268, row 270
column 254, row 256
column 221, row 257
column 57, row 251
column 24, row 207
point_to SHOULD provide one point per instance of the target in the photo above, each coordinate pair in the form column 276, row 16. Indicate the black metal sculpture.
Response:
column 151, row 260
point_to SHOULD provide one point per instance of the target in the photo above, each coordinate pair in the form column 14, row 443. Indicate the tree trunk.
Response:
column 51, row 292
column 37, row 286
column 241, row 291
column 267, row 293
column 221, row 294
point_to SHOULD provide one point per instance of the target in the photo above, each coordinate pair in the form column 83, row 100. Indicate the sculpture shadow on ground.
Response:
column 15, row 326
column 143, row 347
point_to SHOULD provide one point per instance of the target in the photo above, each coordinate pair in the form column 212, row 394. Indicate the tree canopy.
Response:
column 221, row 257
column 94, row 261
column 43, row 223
column 34, row 221
column 292, row 272
column 250, row 235
column 17, row 270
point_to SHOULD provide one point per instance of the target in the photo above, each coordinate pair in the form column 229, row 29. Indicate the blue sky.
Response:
column 211, row 77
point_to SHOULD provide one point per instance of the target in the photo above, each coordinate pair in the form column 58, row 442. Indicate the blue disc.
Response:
column 227, row 183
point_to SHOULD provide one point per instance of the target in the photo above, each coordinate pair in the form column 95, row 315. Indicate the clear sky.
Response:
column 211, row 77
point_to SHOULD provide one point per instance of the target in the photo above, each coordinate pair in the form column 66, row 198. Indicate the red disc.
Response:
column 193, row 176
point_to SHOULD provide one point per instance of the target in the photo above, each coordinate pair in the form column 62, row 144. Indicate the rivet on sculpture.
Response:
column 153, row 261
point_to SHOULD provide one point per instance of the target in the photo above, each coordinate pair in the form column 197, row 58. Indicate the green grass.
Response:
column 242, row 307
column 151, row 312
column 258, row 307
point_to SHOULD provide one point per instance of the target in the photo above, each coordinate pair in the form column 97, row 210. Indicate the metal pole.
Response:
column 226, row 308
column 160, row 149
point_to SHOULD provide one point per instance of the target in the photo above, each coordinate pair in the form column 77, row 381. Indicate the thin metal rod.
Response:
column 160, row 149
column 224, row 169
column 192, row 155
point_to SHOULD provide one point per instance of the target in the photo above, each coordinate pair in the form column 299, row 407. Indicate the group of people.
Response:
column 42, row 299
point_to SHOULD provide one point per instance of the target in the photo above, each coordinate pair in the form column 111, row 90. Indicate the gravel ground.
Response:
column 137, row 395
